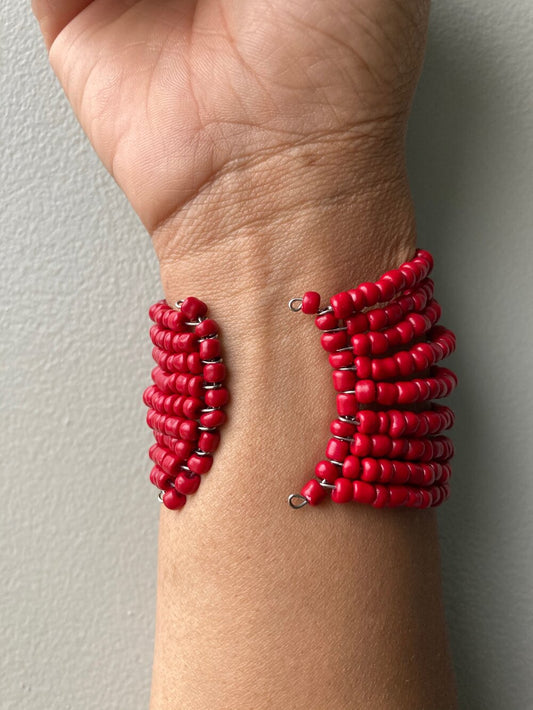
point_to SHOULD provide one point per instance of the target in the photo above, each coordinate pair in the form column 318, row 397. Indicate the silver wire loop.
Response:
column 297, row 496
column 177, row 305
column 160, row 496
column 325, row 484
column 295, row 304
column 348, row 420
column 323, row 311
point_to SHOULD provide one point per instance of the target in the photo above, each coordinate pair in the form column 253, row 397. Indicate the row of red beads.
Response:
column 186, row 401
column 384, row 359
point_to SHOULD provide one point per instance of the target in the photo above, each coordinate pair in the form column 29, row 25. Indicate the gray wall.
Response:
column 79, row 517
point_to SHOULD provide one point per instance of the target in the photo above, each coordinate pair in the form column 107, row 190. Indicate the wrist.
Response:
column 315, row 217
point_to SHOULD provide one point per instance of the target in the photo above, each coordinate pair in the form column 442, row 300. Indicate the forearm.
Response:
column 261, row 606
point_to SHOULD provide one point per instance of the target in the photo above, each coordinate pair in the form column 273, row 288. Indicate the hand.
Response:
column 184, row 100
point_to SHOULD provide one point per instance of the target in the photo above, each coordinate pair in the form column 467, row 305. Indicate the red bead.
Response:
column 368, row 421
column 385, row 369
column 420, row 323
column 339, row 428
column 363, row 366
column 416, row 448
column 327, row 470
column 337, row 449
column 192, row 407
column 361, row 344
column 208, row 441
column 346, row 405
column 426, row 257
column 182, row 383
column 343, row 358
column 199, row 464
column 343, row 380
column 206, row 328
column 407, row 392
column 394, row 313
column 382, row 496
column 213, row 419
column 424, row 390
column 174, row 500
column 194, row 363
column 192, row 308
column 310, row 302
column 383, row 427
column 396, row 424
column 396, row 278
column 357, row 323
column 189, row 430
column 428, row 474
column 164, row 459
column 358, row 298
column 387, row 393
column 333, row 341
column 398, row 448
column 214, row 372
column 196, row 386
column 326, row 321
column 387, row 471
column 361, row 445
column 365, row 391
column 210, row 349
column 183, row 449
column 412, row 423
column 398, row 496
column 313, row 492
column 387, row 290
column 363, row 492
column 370, row 470
column 377, row 319
column 175, row 320
column 420, row 360
column 426, row 498
column 351, row 467
column 371, row 293
column 161, row 479
column 406, row 331
column 343, row 491
column 187, row 484
column 393, row 337
column 148, row 395
column 409, row 274
column 216, row 398
column 188, row 342
column 405, row 363
column 342, row 305
column 156, row 308
column 401, row 471
column 381, row 445
column 378, row 343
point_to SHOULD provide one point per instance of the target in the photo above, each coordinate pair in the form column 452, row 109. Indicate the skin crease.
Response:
column 262, row 144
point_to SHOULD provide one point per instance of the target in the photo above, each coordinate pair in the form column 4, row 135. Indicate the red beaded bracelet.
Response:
column 186, row 401
column 384, row 359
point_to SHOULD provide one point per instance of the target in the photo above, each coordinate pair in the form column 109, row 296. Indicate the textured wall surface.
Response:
column 79, row 519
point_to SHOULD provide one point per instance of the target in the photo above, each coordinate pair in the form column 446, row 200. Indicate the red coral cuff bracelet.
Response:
column 383, row 342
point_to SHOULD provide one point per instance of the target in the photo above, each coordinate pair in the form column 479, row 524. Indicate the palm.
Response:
column 172, row 92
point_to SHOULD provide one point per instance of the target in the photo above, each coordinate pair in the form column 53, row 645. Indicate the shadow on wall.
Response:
column 464, row 165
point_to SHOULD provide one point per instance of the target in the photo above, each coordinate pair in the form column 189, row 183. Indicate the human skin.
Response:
column 262, row 144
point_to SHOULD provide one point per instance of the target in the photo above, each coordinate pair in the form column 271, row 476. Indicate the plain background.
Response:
column 79, row 517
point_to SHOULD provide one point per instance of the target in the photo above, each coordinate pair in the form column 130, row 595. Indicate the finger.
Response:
column 54, row 15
